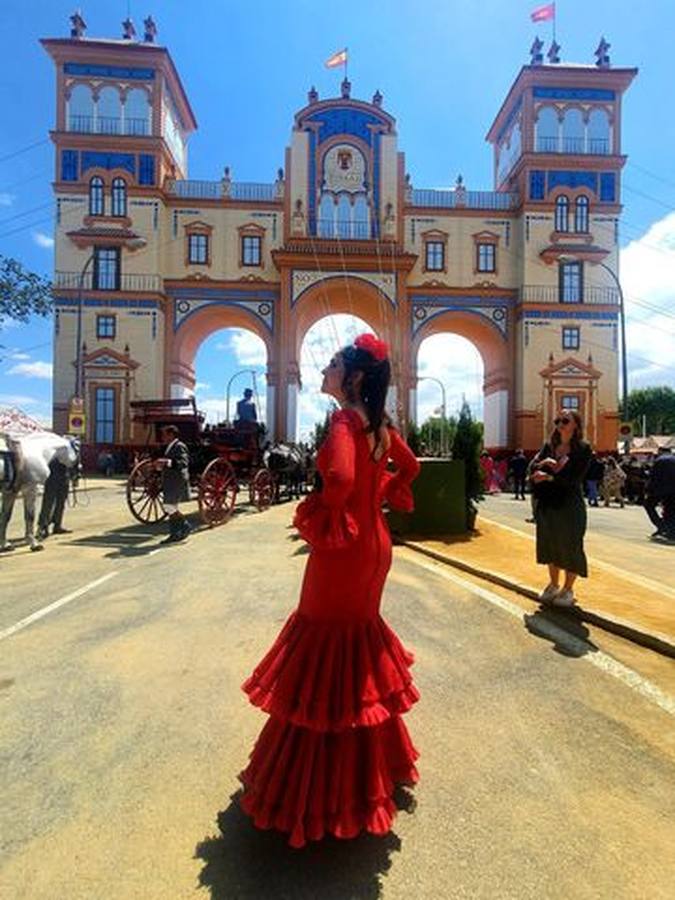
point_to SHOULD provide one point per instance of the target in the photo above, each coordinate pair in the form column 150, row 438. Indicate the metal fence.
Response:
column 127, row 281
column 464, row 199
column 549, row 293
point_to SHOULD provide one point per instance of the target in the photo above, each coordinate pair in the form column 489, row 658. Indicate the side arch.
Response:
column 495, row 351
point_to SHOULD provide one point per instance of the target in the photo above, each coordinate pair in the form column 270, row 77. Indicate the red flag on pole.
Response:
column 337, row 59
column 543, row 13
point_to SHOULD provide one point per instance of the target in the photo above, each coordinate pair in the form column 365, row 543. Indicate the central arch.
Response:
column 496, row 353
column 338, row 294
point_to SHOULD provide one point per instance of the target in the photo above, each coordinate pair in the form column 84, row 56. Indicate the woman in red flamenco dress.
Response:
column 336, row 680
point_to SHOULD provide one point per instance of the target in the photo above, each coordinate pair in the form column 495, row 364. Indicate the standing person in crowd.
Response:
column 518, row 469
column 613, row 482
column 594, row 476
column 558, row 474
column 54, row 499
column 490, row 475
column 175, row 466
column 660, row 491
column 336, row 681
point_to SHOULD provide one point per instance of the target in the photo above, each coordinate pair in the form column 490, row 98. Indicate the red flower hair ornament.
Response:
column 377, row 348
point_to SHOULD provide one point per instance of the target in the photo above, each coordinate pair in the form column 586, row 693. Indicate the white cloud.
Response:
column 6, row 199
column 43, row 240
column 35, row 369
column 247, row 347
column 648, row 277
column 18, row 400
column 201, row 386
column 15, row 354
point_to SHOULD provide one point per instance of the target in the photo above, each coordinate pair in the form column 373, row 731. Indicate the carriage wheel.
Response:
column 261, row 489
column 217, row 492
column 144, row 493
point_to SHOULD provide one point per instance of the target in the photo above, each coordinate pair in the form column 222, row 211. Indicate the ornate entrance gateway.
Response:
column 340, row 230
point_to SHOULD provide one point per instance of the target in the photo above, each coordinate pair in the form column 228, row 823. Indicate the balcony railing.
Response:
column 464, row 199
column 108, row 125
column 548, row 293
column 590, row 146
column 213, row 190
column 344, row 231
column 128, row 281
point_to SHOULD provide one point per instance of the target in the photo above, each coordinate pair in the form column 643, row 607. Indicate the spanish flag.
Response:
column 337, row 59
column 543, row 13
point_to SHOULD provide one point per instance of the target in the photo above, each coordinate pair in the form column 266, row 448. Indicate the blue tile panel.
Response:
column 553, row 93
column 574, row 313
column 146, row 169
column 537, row 184
column 95, row 159
column 573, row 179
column 140, row 74
column 108, row 301
column 608, row 187
column 69, row 165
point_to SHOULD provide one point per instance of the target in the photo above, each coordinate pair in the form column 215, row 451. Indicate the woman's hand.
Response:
column 548, row 463
column 539, row 476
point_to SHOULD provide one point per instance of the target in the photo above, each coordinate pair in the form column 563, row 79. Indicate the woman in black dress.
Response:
column 558, row 473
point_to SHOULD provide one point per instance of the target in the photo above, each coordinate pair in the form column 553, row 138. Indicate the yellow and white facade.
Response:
column 149, row 263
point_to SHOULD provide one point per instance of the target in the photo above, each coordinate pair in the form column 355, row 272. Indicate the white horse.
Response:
column 24, row 464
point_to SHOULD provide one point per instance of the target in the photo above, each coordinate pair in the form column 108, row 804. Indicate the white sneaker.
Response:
column 564, row 598
column 549, row 592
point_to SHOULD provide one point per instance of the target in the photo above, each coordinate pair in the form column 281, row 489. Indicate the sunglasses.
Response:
column 564, row 421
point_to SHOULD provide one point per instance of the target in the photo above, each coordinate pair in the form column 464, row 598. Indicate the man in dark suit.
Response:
column 661, row 491
column 175, row 466
column 54, row 500
column 518, row 465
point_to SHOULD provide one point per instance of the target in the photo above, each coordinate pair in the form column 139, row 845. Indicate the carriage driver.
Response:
column 246, row 411
column 174, row 464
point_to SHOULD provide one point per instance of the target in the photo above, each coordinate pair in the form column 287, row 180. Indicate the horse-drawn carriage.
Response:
column 223, row 460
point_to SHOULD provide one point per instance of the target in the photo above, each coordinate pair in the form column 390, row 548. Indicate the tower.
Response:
column 557, row 142
column 122, row 124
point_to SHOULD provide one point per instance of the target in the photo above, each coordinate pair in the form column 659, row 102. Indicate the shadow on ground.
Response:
column 244, row 863
column 565, row 631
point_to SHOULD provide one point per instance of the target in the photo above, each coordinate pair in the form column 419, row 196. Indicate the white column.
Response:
column 495, row 414
column 180, row 392
column 269, row 411
column 291, row 412
column 412, row 405
column 390, row 404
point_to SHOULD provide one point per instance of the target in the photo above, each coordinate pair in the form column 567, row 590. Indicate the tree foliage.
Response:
column 657, row 404
column 467, row 446
column 22, row 293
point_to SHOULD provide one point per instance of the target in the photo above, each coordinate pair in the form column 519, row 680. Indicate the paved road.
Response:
column 543, row 773
column 616, row 536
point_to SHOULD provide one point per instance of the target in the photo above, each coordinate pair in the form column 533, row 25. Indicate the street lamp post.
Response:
column 443, row 408
column 78, row 338
column 622, row 323
column 624, row 357
column 229, row 385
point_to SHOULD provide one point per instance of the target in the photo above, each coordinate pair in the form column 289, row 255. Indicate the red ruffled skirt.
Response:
column 328, row 759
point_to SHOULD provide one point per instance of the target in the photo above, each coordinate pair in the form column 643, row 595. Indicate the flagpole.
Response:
column 554, row 18
column 346, row 62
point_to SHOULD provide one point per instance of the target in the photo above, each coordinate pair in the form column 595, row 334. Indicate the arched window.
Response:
column 361, row 217
column 344, row 217
column 547, row 130
column 581, row 214
column 573, row 131
column 119, row 197
column 327, row 216
column 109, row 111
column 96, row 199
column 81, row 109
column 598, row 132
column 137, row 112
column 562, row 209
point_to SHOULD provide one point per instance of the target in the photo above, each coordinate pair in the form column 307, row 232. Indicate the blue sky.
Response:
column 444, row 69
